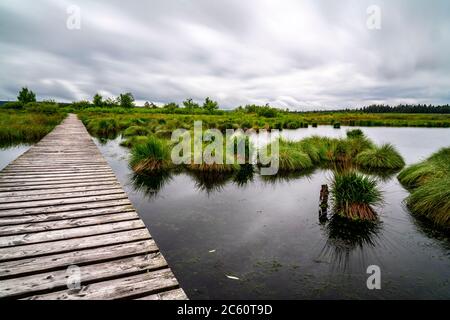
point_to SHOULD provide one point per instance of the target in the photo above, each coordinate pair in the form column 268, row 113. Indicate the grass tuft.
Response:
column 429, row 184
column 384, row 157
column 150, row 156
column 354, row 195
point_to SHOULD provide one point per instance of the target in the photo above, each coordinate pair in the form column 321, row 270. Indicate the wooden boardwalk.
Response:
column 64, row 219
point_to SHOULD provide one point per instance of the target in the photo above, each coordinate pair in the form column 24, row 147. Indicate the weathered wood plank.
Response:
column 81, row 257
column 42, row 175
column 176, row 294
column 67, row 223
column 63, row 208
column 52, row 235
column 58, row 183
column 48, row 248
column 7, row 196
column 95, row 272
column 56, row 216
column 45, row 179
column 149, row 282
column 83, row 183
column 62, row 195
column 57, row 202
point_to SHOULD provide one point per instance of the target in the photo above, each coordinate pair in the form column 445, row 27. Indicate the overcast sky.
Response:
column 296, row 54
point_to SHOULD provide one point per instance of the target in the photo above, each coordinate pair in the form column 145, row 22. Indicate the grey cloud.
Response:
column 296, row 54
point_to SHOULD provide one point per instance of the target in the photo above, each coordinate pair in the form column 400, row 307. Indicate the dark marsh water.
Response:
column 266, row 232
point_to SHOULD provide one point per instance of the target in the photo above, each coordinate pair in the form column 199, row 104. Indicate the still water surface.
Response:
column 266, row 232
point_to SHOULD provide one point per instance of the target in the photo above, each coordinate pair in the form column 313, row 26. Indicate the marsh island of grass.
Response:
column 429, row 184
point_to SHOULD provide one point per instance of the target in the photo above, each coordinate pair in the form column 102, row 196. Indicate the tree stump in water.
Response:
column 323, row 207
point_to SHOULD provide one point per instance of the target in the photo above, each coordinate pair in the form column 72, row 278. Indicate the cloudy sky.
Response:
column 296, row 54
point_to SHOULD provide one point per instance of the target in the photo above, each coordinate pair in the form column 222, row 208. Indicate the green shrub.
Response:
column 12, row 105
column 42, row 107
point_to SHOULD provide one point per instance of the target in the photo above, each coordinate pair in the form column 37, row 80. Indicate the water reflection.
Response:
column 285, row 176
column 150, row 184
column 210, row 182
column 345, row 237
column 244, row 175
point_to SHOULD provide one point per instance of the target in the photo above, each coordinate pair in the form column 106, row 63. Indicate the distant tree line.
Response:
column 27, row 98
column 383, row 108
column 406, row 108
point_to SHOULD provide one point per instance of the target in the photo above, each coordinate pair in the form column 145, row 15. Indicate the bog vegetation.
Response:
column 109, row 117
column 429, row 184
column 147, row 130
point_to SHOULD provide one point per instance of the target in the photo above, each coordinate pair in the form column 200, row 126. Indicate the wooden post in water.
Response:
column 323, row 207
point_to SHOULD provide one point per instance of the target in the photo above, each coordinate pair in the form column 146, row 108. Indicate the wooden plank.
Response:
column 45, row 179
column 58, row 202
column 53, row 174
column 61, row 195
column 95, row 272
column 41, row 172
column 176, row 294
column 52, row 235
column 47, row 248
column 29, row 193
column 84, row 183
column 56, row 216
column 67, row 223
column 146, row 283
column 58, row 183
column 50, row 167
column 81, row 257
column 63, row 208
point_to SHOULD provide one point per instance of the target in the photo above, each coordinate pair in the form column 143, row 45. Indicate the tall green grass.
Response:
column 355, row 150
column 158, row 119
column 354, row 195
column 291, row 156
column 383, row 157
column 26, row 127
column 429, row 184
column 150, row 156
